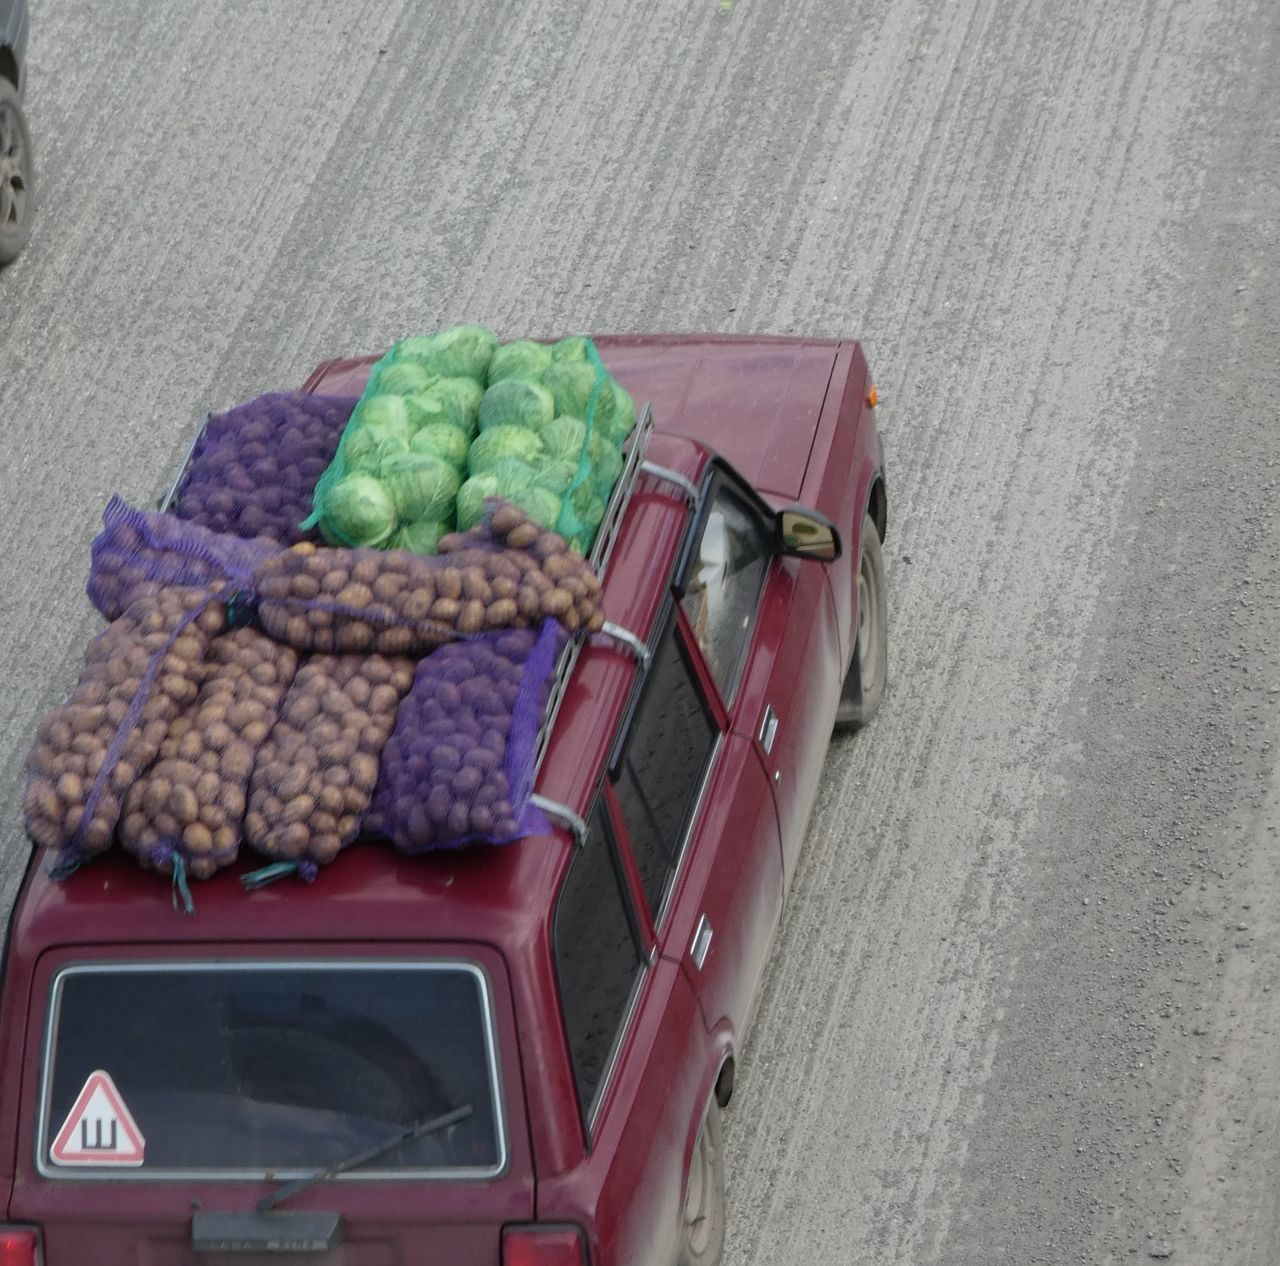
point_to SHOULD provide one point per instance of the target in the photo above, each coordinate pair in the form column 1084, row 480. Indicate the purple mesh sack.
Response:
column 315, row 775
column 254, row 468
column 458, row 768
column 140, row 552
column 504, row 573
column 138, row 675
column 186, row 814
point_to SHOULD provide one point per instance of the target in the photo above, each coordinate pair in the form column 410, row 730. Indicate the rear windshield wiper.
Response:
column 417, row 1130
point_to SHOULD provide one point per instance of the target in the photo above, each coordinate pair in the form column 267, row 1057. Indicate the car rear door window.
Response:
column 722, row 589
column 598, row 957
column 663, row 765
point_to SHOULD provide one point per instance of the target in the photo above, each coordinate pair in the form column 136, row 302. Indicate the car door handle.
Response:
column 701, row 942
column 768, row 728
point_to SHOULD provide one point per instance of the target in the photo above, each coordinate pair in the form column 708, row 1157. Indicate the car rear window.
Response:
column 255, row 1068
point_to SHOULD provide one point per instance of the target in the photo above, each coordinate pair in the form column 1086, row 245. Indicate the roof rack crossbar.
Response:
column 628, row 639
column 563, row 814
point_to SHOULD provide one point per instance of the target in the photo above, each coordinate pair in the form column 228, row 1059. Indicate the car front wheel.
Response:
column 702, row 1235
column 864, row 683
column 17, row 175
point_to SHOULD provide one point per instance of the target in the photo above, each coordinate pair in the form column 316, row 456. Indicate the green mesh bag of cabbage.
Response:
column 552, row 423
column 393, row 482
column 451, row 418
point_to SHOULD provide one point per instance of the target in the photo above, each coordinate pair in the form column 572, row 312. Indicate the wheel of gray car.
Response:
column 702, row 1233
column 865, row 681
column 17, row 175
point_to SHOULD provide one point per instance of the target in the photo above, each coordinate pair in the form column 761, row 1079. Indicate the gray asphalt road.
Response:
column 1024, row 1008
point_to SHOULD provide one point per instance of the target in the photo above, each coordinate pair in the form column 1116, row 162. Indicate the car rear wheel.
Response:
column 17, row 175
column 865, row 681
column 702, row 1235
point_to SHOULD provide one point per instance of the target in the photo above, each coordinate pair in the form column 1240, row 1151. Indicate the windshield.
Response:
column 268, row 1069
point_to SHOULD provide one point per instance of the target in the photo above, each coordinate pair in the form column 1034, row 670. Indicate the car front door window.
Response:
column 722, row 589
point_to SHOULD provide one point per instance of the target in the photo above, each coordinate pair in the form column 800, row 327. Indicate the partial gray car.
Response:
column 17, row 164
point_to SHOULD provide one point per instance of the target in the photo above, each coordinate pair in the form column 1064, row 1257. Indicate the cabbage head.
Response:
column 572, row 382
column 521, row 483
column 499, row 442
column 421, row 487
column 381, row 408
column 586, row 505
column 422, row 537
column 403, row 378
column 418, row 347
column 426, row 408
column 564, row 438
column 366, row 445
column 556, row 475
column 443, row 441
column 541, row 505
column 624, row 411
column 605, row 460
column 358, row 511
column 463, row 352
column 516, row 402
column 570, row 349
column 471, row 499
column 461, row 398
column 522, row 358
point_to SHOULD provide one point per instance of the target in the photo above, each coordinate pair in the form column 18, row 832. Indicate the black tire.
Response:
column 703, row 1216
column 863, row 689
column 17, row 175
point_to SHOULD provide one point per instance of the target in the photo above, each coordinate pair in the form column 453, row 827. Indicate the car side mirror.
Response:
column 804, row 533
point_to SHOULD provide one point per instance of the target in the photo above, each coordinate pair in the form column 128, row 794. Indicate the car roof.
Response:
column 499, row 895
column 753, row 399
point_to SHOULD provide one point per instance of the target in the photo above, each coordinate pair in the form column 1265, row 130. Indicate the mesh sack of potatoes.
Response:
column 554, row 579
column 505, row 573
column 185, row 816
column 459, row 766
column 139, row 552
column 139, row 674
column 315, row 776
column 255, row 467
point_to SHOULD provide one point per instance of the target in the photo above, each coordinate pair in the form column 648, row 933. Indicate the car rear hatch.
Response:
column 166, row 1099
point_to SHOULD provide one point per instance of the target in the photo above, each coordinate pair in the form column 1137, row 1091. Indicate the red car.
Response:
column 510, row 1055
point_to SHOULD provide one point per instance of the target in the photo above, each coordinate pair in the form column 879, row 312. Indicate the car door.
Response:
column 692, row 805
column 636, row 1046
column 767, row 629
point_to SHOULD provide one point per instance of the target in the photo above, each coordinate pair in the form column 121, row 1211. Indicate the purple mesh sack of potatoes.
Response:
column 186, row 813
column 255, row 467
column 315, row 775
column 140, row 552
column 139, row 674
column 459, row 766
column 504, row 573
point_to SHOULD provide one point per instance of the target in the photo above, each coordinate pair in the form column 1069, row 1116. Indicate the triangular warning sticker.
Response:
column 99, row 1129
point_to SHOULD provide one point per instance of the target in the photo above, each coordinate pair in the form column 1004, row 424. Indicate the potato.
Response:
column 471, row 619
column 449, row 583
column 522, row 536
column 556, row 603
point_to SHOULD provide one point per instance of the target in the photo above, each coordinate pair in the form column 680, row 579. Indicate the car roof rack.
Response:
column 634, row 465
